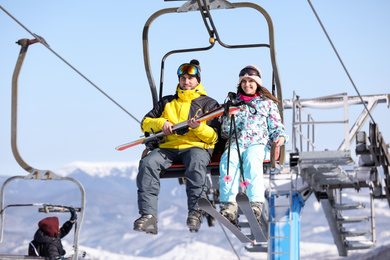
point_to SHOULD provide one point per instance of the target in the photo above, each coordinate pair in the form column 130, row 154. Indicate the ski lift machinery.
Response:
column 35, row 174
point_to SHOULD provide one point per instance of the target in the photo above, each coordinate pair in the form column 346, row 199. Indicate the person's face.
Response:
column 249, row 86
column 188, row 82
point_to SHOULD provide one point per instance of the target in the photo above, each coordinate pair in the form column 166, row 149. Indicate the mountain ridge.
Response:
column 111, row 208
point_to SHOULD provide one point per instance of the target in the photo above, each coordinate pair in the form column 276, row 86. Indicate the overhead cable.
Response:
column 38, row 38
column 342, row 63
column 230, row 242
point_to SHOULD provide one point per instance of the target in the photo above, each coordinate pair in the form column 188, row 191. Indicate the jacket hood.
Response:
column 187, row 95
column 49, row 226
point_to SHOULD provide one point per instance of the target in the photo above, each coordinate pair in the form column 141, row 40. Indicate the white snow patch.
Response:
column 129, row 236
column 318, row 251
column 100, row 169
column 197, row 250
column 316, row 206
column 174, row 191
column 99, row 254
column 320, row 229
column 167, row 219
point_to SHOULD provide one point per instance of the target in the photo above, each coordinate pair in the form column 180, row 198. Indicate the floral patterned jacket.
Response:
column 261, row 128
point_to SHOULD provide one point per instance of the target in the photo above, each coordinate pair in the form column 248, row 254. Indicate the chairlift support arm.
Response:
column 34, row 174
column 204, row 6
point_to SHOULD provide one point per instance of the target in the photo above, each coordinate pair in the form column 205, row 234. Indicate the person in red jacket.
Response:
column 50, row 233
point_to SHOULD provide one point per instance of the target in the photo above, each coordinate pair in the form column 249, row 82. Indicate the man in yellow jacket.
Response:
column 192, row 147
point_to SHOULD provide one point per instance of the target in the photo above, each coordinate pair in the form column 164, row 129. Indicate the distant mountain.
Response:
column 101, row 170
column 111, row 209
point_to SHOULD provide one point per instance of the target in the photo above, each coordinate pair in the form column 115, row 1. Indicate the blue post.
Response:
column 280, row 236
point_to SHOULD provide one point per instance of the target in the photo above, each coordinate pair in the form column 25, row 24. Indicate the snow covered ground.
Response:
column 106, row 231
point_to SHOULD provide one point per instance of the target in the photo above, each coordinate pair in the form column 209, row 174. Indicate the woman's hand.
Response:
column 234, row 112
column 280, row 141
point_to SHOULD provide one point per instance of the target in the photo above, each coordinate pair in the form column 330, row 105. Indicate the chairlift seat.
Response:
column 177, row 170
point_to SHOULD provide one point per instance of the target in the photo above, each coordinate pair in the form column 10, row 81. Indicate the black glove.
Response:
column 73, row 214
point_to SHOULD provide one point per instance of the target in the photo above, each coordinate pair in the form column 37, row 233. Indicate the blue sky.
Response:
column 62, row 118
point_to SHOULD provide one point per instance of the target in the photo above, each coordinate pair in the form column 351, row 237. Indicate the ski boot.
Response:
column 146, row 223
column 194, row 220
column 230, row 211
column 257, row 208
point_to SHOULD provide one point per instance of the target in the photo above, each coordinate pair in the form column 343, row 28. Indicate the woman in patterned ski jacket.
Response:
column 257, row 125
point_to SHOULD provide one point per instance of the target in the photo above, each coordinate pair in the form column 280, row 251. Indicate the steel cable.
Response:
column 341, row 61
column 40, row 39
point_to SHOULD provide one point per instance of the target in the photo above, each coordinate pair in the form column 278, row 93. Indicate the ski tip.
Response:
column 120, row 148
column 128, row 145
column 242, row 197
column 241, row 194
column 201, row 199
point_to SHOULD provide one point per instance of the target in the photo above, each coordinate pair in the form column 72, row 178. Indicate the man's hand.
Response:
column 167, row 128
column 193, row 123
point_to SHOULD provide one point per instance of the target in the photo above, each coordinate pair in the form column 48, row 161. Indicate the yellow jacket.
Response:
column 182, row 106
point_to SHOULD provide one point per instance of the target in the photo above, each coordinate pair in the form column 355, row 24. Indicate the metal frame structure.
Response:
column 327, row 172
column 34, row 174
column 204, row 7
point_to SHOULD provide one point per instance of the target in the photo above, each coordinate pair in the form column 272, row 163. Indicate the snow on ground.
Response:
column 106, row 231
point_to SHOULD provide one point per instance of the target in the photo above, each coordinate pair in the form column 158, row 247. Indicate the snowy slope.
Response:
column 111, row 208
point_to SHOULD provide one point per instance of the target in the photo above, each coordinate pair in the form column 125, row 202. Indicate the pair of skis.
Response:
column 244, row 204
column 159, row 135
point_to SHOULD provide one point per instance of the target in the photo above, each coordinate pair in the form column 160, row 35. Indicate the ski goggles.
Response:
column 250, row 72
column 187, row 69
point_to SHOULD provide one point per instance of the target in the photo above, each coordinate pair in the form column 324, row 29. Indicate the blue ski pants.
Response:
column 195, row 161
column 252, row 159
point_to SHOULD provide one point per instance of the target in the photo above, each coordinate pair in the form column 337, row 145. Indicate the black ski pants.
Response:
column 195, row 161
